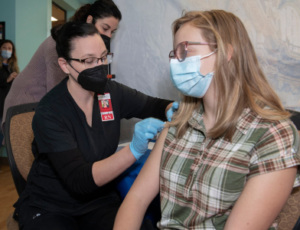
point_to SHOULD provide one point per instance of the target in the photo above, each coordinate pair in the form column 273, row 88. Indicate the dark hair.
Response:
column 64, row 35
column 99, row 9
column 13, row 60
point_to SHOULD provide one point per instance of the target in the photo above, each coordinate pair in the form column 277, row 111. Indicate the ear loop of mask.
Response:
column 71, row 74
column 205, row 56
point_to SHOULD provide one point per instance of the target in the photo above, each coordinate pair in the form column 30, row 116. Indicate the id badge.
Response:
column 106, row 110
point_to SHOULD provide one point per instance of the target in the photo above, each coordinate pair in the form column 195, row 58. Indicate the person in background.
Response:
column 9, row 70
column 71, row 184
column 229, row 157
column 42, row 72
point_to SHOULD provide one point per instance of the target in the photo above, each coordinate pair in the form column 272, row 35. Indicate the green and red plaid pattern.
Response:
column 202, row 178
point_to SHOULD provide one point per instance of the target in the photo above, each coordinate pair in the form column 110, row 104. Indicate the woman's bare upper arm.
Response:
column 147, row 182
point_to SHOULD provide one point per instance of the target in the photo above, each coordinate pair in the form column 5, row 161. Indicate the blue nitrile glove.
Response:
column 171, row 110
column 143, row 132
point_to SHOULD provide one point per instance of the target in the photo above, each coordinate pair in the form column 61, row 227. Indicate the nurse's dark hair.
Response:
column 65, row 34
column 99, row 9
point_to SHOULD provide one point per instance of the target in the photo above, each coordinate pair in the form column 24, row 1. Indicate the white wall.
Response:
column 144, row 39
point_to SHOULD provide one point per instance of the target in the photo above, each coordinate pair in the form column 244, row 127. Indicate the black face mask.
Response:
column 106, row 41
column 94, row 79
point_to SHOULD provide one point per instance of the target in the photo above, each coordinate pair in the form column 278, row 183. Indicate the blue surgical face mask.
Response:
column 187, row 78
column 6, row 54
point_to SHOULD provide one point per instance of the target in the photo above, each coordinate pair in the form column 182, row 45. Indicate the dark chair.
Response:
column 296, row 118
column 18, row 138
column 290, row 212
column 289, row 217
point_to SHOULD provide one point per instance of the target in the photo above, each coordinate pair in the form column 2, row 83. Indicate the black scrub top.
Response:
column 4, row 86
column 60, row 126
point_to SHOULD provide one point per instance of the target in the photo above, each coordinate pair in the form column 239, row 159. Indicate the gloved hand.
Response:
column 173, row 109
column 143, row 132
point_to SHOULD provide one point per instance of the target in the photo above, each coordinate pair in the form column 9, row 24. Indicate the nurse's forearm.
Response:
column 108, row 169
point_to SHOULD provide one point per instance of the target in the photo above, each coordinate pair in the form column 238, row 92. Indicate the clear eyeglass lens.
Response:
column 103, row 60
column 181, row 52
column 90, row 62
column 93, row 61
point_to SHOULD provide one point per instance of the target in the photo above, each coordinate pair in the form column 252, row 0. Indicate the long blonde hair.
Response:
column 239, row 82
column 13, row 60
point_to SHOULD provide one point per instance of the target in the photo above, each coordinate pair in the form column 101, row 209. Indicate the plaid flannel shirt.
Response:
column 202, row 178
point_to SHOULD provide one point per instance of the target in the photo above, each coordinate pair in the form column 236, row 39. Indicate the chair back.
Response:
column 295, row 118
column 18, row 140
column 289, row 217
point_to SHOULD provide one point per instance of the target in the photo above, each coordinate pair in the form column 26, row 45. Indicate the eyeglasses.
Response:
column 93, row 61
column 180, row 52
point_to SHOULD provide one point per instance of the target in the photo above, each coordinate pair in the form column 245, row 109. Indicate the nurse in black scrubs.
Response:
column 76, row 133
